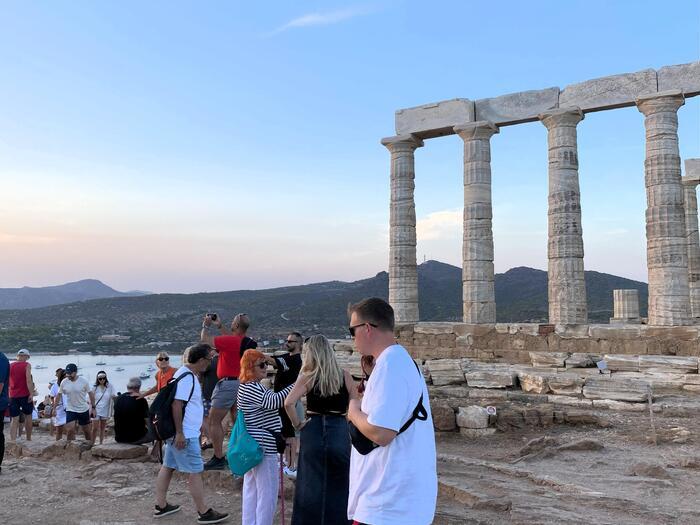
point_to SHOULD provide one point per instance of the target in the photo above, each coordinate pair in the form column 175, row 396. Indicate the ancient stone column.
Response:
column 667, row 250
column 403, row 273
column 478, row 294
column 690, row 205
column 566, row 288
column 625, row 307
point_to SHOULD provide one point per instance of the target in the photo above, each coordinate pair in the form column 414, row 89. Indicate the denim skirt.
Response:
column 323, row 473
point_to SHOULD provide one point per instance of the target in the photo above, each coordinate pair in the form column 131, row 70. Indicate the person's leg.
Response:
column 249, row 500
column 2, row 437
column 216, row 431
column 268, row 484
column 59, row 432
column 165, row 474
column 14, row 426
column 103, row 425
column 196, row 487
column 70, row 430
column 28, row 409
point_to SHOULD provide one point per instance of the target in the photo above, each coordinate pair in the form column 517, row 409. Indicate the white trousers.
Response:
column 260, row 489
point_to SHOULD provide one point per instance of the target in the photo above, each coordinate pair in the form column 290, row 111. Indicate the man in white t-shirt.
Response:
column 183, row 453
column 79, row 401
column 396, row 483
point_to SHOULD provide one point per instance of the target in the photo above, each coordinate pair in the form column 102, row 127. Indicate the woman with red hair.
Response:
column 260, row 407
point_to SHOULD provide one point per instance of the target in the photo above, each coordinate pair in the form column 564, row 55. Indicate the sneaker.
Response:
column 291, row 473
column 216, row 463
column 211, row 516
column 165, row 511
column 207, row 445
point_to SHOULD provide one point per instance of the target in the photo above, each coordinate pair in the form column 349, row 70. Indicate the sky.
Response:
column 178, row 146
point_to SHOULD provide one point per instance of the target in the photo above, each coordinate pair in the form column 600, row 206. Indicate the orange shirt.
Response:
column 162, row 377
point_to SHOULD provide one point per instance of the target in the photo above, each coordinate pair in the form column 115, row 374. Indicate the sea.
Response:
column 44, row 369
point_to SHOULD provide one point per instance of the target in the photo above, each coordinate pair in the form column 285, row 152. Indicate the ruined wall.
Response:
column 511, row 343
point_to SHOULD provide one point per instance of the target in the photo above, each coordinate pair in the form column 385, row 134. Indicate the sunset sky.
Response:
column 205, row 146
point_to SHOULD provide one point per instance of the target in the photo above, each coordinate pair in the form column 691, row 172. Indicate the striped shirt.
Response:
column 260, row 408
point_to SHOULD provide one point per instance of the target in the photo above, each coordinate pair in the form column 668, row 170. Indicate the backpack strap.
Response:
column 177, row 380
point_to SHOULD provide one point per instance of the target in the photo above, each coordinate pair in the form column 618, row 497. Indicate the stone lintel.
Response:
column 682, row 76
column 692, row 170
column 434, row 120
column 616, row 91
column 516, row 108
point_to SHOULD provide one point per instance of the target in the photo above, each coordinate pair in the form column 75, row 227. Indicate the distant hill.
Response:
column 521, row 295
column 27, row 297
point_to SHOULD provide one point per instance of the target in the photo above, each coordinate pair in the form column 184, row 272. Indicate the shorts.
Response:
column 100, row 418
column 206, row 403
column 59, row 420
column 83, row 418
column 21, row 404
column 225, row 393
column 187, row 460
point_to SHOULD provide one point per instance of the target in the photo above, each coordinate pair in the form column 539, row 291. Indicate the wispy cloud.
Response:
column 321, row 19
column 8, row 238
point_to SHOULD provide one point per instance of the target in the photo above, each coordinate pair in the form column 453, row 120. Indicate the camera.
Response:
column 213, row 317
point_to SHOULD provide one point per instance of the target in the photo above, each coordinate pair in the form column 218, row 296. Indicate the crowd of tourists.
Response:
column 362, row 451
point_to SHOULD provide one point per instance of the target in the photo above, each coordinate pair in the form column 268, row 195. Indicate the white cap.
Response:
column 23, row 351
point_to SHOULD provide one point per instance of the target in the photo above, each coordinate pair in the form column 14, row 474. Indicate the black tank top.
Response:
column 334, row 404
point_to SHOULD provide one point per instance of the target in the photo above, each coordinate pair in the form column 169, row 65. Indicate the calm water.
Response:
column 133, row 365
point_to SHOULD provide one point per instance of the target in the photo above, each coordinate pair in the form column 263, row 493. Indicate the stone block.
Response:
column 615, row 332
column 434, row 328
column 620, row 390
column 570, row 401
column 576, row 331
column 610, row 404
column 533, row 382
column 119, row 451
column 475, row 330
column 622, row 363
column 685, row 77
column 445, row 372
column 579, row 360
column 548, row 359
column 489, row 393
column 515, row 108
column 668, row 364
column 493, row 377
column 681, row 333
column 472, row 417
column 477, row 432
column 448, row 392
column 615, row 91
column 436, row 119
column 565, row 384
column 524, row 328
column 443, row 415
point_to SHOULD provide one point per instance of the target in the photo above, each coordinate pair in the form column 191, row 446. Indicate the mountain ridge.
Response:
column 521, row 296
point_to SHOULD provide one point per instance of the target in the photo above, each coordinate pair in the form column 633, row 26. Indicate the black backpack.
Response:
column 160, row 414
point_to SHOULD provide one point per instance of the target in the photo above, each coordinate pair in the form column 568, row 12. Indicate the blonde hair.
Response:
column 320, row 366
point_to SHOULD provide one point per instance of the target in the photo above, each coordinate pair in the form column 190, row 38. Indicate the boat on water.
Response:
column 119, row 369
column 101, row 363
column 40, row 367
column 151, row 368
column 144, row 375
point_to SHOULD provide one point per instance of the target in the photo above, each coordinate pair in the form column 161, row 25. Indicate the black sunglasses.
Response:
column 351, row 329
column 262, row 366
column 163, row 359
column 292, row 341
column 101, row 378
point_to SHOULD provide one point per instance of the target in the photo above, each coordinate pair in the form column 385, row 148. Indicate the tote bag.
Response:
column 244, row 452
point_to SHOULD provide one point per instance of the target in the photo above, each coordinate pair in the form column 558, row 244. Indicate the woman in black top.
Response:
column 323, row 473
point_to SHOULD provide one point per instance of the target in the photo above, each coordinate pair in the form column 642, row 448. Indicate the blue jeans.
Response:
column 323, row 474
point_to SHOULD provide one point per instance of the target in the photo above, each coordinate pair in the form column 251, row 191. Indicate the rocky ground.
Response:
column 608, row 473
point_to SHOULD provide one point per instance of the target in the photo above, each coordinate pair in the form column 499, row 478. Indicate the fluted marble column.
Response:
column 667, row 250
column 478, row 294
column 690, row 205
column 566, row 285
column 403, row 273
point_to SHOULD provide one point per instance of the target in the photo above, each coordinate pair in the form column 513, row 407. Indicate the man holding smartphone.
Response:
column 230, row 347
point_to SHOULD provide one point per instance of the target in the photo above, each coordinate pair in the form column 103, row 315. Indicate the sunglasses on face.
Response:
column 351, row 329
column 262, row 366
column 102, row 378
column 163, row 359
column 291, row 341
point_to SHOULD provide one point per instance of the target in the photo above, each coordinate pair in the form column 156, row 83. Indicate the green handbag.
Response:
column 244, row 452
